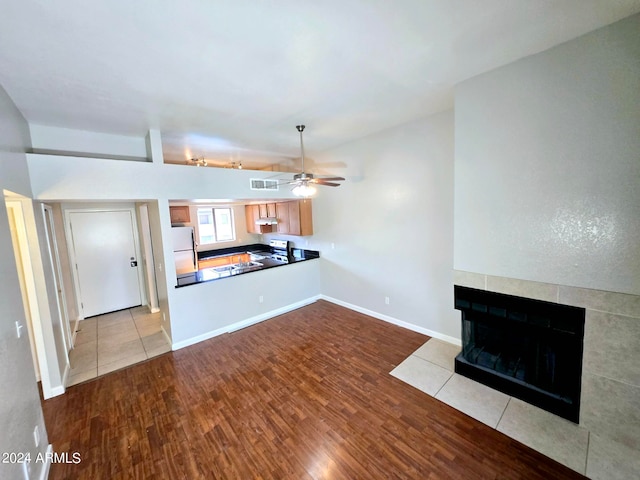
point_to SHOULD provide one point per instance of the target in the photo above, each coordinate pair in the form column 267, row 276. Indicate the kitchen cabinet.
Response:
column 220, row 261
column 179, row 214
column 282, row 214
column 262, row 209
column 267, row 210
column 255, row 212
column 295, row 217
column 271, row 210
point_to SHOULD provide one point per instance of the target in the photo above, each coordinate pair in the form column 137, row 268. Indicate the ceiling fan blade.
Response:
column 331, row 179
column 326, row 184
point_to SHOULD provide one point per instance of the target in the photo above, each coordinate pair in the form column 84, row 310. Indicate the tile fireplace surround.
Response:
column 606, row 442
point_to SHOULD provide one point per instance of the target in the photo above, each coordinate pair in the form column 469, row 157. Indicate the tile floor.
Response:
column 115, row 340
column 430, row 369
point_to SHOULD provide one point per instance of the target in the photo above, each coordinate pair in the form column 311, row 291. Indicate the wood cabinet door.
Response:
column 306, row 217
column 263, row 210
column 271, row 210
column 282, row 214
column 252, row 214
column 294, row 217
column 179, row 214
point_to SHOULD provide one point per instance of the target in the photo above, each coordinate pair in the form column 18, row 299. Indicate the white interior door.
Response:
column 105, row 254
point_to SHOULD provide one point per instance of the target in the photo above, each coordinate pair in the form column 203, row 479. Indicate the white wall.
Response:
column 75, row 179
column 547, row 165
column 20, row 409
column 391, row 223
column 46, row 139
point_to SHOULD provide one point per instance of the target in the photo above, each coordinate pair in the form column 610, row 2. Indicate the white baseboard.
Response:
column 244, row 323
column 166, row 335
column 55, row 391
column 44, row 471
column 75, row 331
column 395, row 321
column 65, row 376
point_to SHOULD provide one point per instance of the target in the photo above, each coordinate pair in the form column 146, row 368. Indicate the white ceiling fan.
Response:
column 305, row 182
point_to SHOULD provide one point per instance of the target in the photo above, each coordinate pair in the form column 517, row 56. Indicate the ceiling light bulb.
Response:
column 303, row 190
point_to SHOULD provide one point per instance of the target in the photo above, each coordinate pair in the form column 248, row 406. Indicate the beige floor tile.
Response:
column 156, row 340
column 82, row 377
column 423, row 375
column 83, row 357
column 140, row 311
column 123, row 330
column 547, row 433
column 122, row 363
column 474, row 399
column 154, row 352
column 112, row 353
column 439, row 352
column 115, row 318
column 609, row 460
column 148, row 325
column 85, row 335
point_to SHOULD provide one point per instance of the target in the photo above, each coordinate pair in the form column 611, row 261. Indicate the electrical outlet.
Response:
column 260, row 299
column 36, row 436
column 386, row 300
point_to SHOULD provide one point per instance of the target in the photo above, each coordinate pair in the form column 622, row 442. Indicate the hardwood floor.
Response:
column 304, row 395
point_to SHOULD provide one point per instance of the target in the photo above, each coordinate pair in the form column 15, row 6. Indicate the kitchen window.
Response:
column 215, row 225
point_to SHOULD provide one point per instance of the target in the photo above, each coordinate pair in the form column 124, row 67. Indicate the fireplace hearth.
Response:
column 526, row 348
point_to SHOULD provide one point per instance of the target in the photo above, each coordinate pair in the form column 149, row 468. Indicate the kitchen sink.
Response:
column 243, row 265
column 223, row 269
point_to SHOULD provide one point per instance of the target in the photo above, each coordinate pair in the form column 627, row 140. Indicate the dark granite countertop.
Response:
column 225, row 271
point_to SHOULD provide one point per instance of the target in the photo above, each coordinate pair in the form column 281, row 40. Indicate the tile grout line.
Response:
column 503, row 412
column 586, row 457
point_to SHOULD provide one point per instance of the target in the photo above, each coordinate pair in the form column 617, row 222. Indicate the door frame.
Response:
column 67, row 210
column 53, row 363
column 148, row 258
column 28, row 290
column 56, row 266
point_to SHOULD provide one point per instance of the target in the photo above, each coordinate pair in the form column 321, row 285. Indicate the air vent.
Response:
column 262, row 184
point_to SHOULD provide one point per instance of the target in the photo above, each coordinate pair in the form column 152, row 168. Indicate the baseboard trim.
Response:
column 243, row 323
column 166, row 335
column 46, row 466
column 395, row 321
column 55, row 391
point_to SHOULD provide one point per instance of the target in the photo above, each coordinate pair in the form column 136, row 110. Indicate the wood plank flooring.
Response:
column 306, row 395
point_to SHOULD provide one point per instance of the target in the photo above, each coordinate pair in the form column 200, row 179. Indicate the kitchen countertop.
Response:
column 216, row 273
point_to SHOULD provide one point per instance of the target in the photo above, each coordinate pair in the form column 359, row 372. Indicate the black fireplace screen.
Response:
column 526, row 348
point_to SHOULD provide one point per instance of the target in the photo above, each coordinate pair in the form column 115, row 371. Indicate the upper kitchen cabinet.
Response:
column 253, row 213
column 179, row 215
column 295, row 218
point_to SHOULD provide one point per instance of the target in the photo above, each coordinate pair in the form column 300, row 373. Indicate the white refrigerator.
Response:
column 184, row 250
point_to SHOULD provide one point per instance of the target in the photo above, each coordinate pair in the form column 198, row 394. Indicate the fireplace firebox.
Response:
column 526, row 348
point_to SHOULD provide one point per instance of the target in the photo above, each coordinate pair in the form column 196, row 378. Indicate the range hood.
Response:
column 267, row 221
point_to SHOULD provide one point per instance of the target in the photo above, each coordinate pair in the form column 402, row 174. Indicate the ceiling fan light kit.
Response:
column 304, row 182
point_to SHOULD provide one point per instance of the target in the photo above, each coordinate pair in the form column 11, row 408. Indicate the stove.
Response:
column 280, row 250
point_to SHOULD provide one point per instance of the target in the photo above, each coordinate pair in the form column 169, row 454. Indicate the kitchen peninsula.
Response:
column 234, row 261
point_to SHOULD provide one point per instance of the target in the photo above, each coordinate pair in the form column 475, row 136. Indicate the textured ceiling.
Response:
column 230, row 80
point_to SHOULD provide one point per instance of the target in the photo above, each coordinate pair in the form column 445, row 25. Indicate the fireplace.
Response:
column 526, row 348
